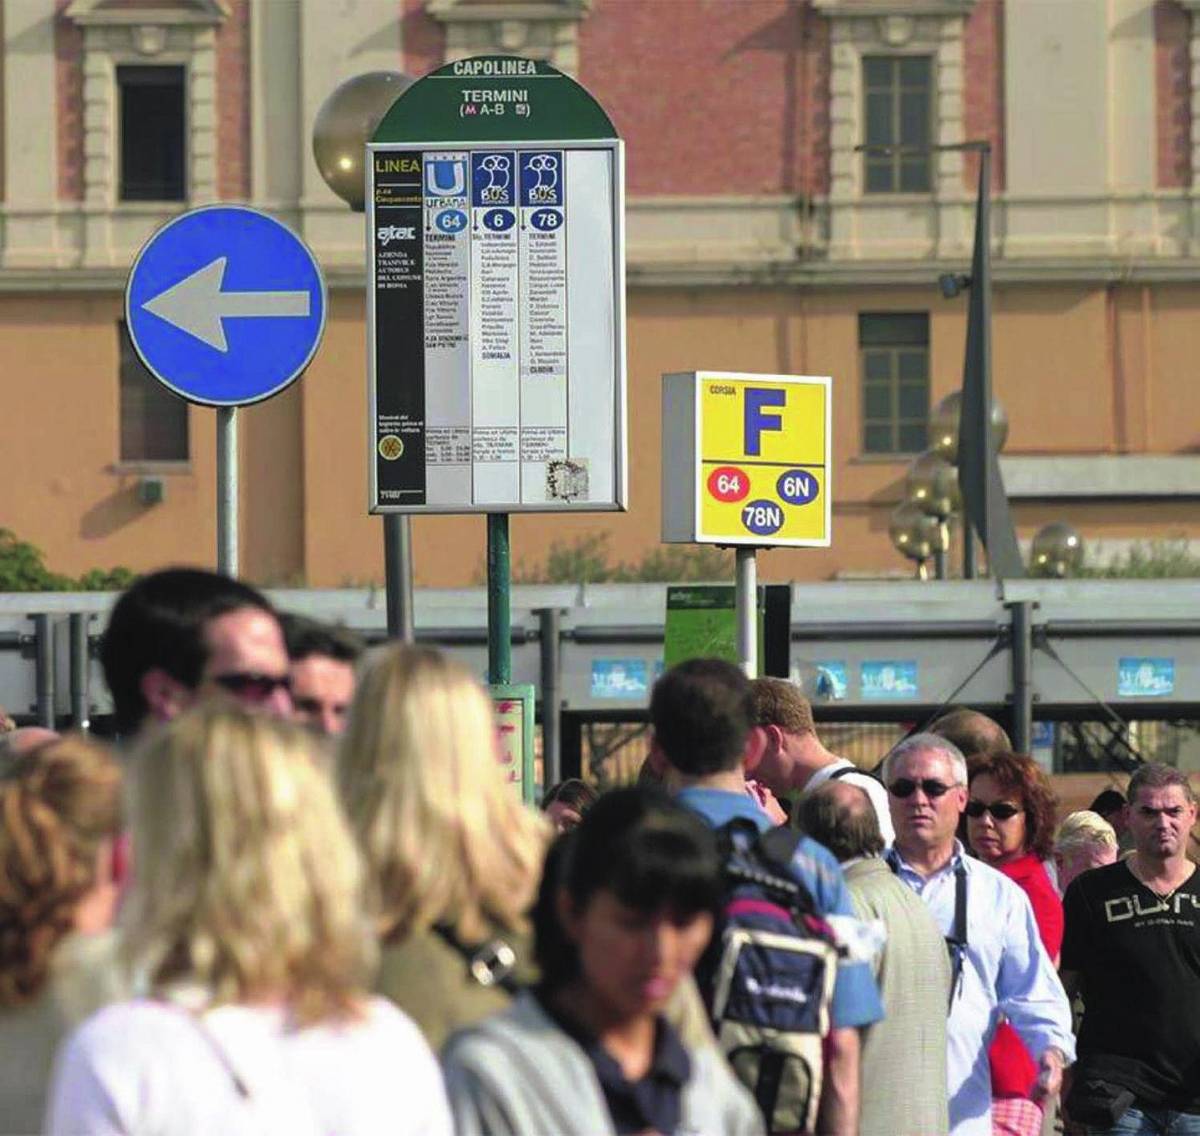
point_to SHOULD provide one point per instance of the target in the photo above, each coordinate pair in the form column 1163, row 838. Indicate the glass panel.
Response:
column 893, row 329
column 153, row 420
column 914, row 119
column 880, row 131
column 915, row 71
column 877, row 440
column 912, row 366
column 877, row 366
column 877, row 402
column 877, row 71
column 913, row 436
column 914, row 174
column 913, row 401
column 879, row 177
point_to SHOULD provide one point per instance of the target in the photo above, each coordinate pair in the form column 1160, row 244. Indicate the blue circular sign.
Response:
column 762, row 517
column 547, row 220
column 225, row 305
column 499, row 219
column 451, row 220
column 798, row 486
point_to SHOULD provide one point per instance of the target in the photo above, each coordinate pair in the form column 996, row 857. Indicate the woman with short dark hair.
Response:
column 1010, row 819
column 626, row 907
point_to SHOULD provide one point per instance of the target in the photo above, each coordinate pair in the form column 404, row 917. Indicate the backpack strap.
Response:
column 775, row 849
column 956, row 941
column 490, row 963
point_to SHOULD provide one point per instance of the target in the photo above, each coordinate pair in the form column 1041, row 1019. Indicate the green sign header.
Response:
column 495, row 98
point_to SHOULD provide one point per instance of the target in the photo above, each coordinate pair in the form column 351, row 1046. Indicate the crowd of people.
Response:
column 300, row 896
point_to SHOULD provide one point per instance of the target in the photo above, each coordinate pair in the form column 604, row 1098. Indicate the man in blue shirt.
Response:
column 998, row 963
column 703, row 712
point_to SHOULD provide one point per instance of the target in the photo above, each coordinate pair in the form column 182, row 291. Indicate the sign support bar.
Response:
column 397, row 573
column 227, row 490
column 499, row 600
column 746, row 607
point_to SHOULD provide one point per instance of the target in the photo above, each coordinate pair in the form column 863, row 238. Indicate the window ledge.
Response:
column 151, row 468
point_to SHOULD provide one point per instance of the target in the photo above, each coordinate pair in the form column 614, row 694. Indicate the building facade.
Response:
column 760, row 237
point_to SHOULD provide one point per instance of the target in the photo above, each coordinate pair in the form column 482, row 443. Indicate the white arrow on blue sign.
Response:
column 225, row 305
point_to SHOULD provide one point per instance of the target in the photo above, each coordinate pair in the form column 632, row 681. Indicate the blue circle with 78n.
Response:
column 762, row 517
column 225, row 305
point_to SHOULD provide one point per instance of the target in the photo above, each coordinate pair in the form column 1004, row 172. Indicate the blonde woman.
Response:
column 60, row 810
column 245, row 923
column 453, row 855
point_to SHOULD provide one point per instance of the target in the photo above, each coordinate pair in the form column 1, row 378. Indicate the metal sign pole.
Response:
column 499, row 585
column 747, row 611
column 227, row 491
column 397, row 572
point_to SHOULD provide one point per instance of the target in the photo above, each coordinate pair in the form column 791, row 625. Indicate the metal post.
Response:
column 746, row 605
column 81, row 707
column 549, row 626
column 43, row 647
column 970, row 563
column 984, row 284
column 227, row 490
column 939, row 563
column 1022, row 674
column 397, row 573
column 499, row 599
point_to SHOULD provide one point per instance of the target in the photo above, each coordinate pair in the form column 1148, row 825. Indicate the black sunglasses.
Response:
column 1001, row 810
column 253, row 686
column 904, row 787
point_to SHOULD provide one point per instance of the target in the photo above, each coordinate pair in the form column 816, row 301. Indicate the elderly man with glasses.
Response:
column 999, row 967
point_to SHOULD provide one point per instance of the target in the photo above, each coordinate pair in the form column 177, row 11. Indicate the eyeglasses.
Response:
column 903, row 787
column 1000, row 810
column 252, row 686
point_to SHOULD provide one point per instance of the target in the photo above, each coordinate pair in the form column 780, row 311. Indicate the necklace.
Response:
column 1165, row 896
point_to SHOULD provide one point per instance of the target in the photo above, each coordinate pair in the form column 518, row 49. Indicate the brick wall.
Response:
column 983, row 87
column 1173, row 95
column 713, row 97
column 68, row 110
column 233, row 103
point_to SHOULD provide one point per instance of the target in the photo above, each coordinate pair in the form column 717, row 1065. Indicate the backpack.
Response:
column 768, row 974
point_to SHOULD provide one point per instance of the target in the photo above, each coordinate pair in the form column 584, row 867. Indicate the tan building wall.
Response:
column 1081, row 370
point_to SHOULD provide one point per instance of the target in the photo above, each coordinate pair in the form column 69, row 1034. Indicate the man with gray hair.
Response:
column 903, row 1056
column 1132, row 945
column 998, row 965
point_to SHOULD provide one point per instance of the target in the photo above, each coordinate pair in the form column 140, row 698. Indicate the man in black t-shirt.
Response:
column 1132, row 946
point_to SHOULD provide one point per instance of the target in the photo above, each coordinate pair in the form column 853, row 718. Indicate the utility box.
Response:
column 745, row 459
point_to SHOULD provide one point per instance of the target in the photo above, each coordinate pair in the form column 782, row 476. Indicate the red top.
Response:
column 1013, row 1070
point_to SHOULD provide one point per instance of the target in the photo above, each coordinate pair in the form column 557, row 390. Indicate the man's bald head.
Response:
column 972, row 732
column 841, row 816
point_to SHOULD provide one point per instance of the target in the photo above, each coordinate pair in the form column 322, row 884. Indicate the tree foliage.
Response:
column 23, row 569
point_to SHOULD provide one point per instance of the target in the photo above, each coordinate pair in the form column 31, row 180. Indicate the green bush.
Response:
column 587, row 560
column 23, row 569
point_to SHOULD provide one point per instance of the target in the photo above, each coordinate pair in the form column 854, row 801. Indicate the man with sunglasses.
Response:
column 180, row 635
column 998, row 963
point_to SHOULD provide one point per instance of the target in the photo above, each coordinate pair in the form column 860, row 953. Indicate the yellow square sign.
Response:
column 762, row 469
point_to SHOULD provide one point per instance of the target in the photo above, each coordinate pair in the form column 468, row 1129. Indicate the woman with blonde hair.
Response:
column 59, row 817
column 245, row 926
column 453, row 855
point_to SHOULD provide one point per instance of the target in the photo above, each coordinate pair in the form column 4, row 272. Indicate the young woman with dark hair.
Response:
column 626, row 906
column 1010, row 820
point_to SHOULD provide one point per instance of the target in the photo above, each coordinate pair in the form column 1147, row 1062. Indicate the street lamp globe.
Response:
column 944, row 422
column 933, row 485
column 1057, row 551
column 344, row 125
column 914, row 532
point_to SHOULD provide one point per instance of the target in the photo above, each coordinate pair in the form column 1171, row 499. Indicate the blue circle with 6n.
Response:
column 798, row 486
column 225, row 305
column 762, row 517
column 451, row 221
column 545, row 220
column 498, row 220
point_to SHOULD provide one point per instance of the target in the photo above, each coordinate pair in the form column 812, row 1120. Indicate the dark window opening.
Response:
column 894, row 352
column 154, row 421
column 897, row 113
column 152, row 133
